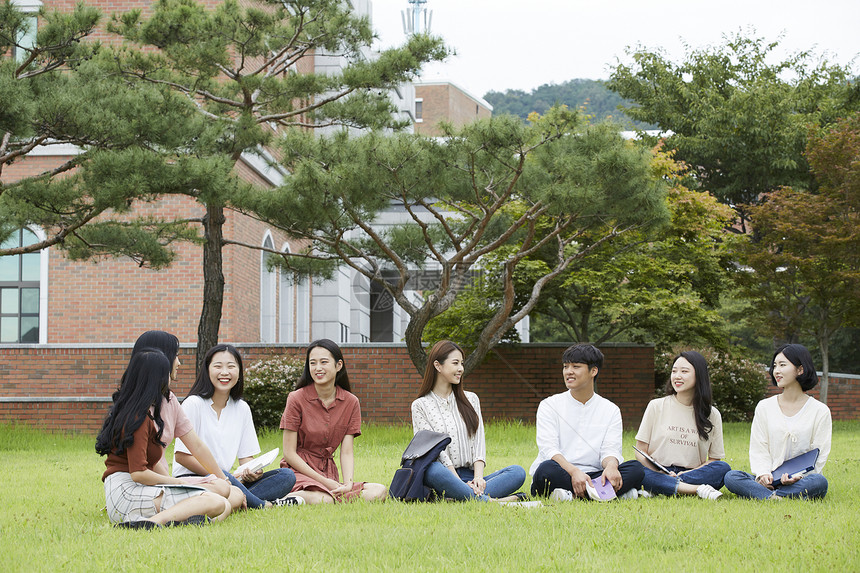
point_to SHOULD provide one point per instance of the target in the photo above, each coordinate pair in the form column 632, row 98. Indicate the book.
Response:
column 652, row 460
column 258, row 463
column 799, row 465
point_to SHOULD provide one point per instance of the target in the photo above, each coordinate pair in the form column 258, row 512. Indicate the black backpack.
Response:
column 408, row 482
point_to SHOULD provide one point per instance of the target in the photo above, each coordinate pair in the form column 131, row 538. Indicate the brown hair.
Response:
column 439, row 353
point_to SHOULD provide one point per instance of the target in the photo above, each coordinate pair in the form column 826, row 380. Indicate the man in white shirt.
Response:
column 579, row 437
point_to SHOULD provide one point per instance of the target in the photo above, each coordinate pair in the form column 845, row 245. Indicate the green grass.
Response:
column 51, row 519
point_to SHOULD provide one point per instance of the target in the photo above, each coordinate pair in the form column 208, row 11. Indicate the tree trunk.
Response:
column 213, row 282
column 824, row 346
column 414, row 331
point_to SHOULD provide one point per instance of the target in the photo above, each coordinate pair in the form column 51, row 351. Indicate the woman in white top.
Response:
column 784, row 427
column 683, row 432
column 443, row 406
column 224, row 422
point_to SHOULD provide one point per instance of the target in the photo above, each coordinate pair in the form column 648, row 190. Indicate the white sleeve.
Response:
column 611, row 446
column 249, row 445
column 480, row 442
column 822, row 432
column 546, row 430
column 761, row 461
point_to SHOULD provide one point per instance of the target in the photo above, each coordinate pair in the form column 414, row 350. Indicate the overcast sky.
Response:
column 508, row 44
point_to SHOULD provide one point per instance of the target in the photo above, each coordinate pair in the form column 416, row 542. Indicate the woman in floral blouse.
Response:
column 443, row 406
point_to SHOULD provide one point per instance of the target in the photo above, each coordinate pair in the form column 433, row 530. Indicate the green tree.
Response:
column 736, row 118
column 60, row 91
column 495, row 191
column 237, row 65
column 803, row 272
column 598, row 101
column 660, row 284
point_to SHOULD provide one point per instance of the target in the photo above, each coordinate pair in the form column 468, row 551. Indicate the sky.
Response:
column 507, row 44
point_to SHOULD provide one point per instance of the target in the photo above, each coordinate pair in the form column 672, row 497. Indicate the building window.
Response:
column 344, row 333
column 25, row 37
column 303, row 310
column 286, row 328
column 268, row 283
column 419, row 110
column 19, row 291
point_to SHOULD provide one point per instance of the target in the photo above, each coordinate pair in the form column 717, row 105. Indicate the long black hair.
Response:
column 159, row 340
column 341, row 379
column 144, row 384
column 702, row 396
column 204, row 387
column 440, row 353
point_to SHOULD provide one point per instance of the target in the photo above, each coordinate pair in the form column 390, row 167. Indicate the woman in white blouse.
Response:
column 443, row 406
column 784, row 427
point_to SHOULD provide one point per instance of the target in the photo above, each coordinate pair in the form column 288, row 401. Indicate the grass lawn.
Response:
column 51, row 519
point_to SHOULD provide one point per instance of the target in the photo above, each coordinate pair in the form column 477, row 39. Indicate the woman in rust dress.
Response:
column 322, row 415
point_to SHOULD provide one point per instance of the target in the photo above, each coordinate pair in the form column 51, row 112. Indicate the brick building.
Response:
column 445, row 101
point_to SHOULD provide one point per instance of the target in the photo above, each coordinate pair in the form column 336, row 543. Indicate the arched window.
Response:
column 268, row 288
column 20, row 301
column 287, row 325
column 303, row 310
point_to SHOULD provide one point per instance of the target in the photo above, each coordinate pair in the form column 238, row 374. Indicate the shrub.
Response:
column 267, row 384
column 738, row 382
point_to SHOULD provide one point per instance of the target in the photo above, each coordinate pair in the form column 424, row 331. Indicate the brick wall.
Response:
column 843, row 395
column 510, row 383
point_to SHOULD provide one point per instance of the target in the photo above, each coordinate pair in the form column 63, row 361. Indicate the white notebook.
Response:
column 259, row 462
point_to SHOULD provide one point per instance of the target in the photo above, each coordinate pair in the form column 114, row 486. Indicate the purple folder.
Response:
column 604, row 491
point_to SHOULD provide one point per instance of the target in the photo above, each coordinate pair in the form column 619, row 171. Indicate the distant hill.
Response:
column 599, row 101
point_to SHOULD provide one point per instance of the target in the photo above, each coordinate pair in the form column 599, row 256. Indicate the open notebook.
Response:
column 259, row 462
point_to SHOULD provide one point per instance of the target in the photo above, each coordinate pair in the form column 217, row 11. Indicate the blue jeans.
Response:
column 499, row 484
column 810, row 486
column 272, row 485
column 711, row 473
column 549, row 475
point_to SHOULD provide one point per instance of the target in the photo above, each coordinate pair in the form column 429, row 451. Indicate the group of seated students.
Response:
column 679, row 445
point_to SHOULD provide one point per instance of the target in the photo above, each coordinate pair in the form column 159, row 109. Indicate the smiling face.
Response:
column 784, row 372
column 578, row 376
column 223, row 371
column 683, row 376
column 450, row 370
column 322, row 366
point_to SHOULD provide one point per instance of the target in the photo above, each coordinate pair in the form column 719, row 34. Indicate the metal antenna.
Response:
column 417, row 19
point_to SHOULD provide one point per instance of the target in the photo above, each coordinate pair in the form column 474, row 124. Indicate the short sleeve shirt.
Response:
column 321, row 429
column 669, row 429
column 141, row 455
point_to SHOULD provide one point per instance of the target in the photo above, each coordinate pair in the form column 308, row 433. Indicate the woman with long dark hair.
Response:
column 224, row 422
column 131, row 438
column 321, row 416
column 176, row 423
column 683, row 432
column 444, row 406
column 786, row 426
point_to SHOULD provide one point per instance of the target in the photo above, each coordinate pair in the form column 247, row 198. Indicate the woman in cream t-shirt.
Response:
column 683, row 432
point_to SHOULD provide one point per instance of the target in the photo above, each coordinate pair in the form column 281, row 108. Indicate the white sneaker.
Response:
column 288, row 500
column 644, row 493
column 706, row 491
column 560, row 494
column 629, row 494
